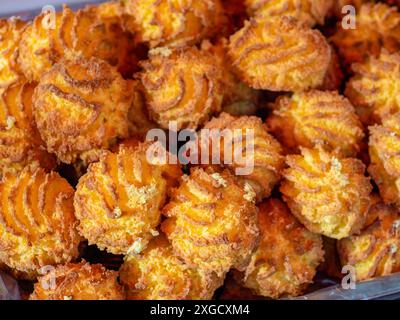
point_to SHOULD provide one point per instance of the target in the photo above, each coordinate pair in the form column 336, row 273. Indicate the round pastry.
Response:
column 182, row 86
column 328, row 194
column 377, row 27
column 172, row 22
column 118, row 201
column 287, row 258
column 311, row 12
column 374, row 88
column 212, row 221
column 279, row 54
column 156, row 274
column 37, row 221
column 317, row 118
column 375, row 251
column 260, row 161
column 80, row 107
column 20, row 142
column 80, row 281
column 384, row 144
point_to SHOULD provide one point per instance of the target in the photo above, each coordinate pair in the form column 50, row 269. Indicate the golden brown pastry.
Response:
column 37, row 221
column 384, row 146
column 374, row 88
column 334, row 75
column 377, row 27
column 311, row 12
column 212, row 221
column 87, row 33
column 80, row 107
column 182, row 85
column 20, row 142
column 287, row 258
column 118, row 201
column 317, row 118
column 80, row 281
column 173, row 23
column 375, row 251
column 10, row 35
column 263, row 171
column 328, row 194
column 279, row 54
column 157, row 274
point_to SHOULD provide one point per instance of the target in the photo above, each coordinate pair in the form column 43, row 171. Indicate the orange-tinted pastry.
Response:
column 20, row 142
column 157, row 274
column 384, row 146
column 375, row 251
column 37, row 221
column 265, row 161
column 80, row 281
column 279, row 54
column 172, row 22
column 80, row 107
column 212, row 221
column 87, row 33
column 375, row 87
column 311, row 12
column 118, row 201
column 10, row 35
column 287, row 258
column 182, row 85
column 328, row 194
column 334, row 76
column 377, row 27
column 317, row 118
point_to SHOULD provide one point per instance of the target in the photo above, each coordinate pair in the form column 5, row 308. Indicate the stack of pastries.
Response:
column 79, row 95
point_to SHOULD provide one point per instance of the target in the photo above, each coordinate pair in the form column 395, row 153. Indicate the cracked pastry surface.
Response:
column 37, row 221
column 374, row 252
column 375, row 87
column 260, row 162
column 173, row 23
column 157, row 274
column 212, row 221
column 118, row 201
column 20, row 142
column 287, row 257
column 80, row 107
column 79, row 281
column 279, row 54
column 316, row 118
column 328, row 194
column 181, row 85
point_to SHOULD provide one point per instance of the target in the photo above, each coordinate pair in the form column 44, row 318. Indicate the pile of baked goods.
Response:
column 80, row 91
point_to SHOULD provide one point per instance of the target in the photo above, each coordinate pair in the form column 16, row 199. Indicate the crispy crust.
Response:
column 87, row 32
column 374, row 252
column 118, row 201
column 384, row 146
column 375, row 87
column 80, row 281
column 156, row 274
column 37, row 222
column 328, row 194
column 182, row 85
column 267, row 158
column 80, row 107
column 311, row 12
column 378, row 26
column 10, row 35
column 212, row 221
column 173, row 23
column 288, row 255
column 279, row 54
column 20, row 142
column 317, row 118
